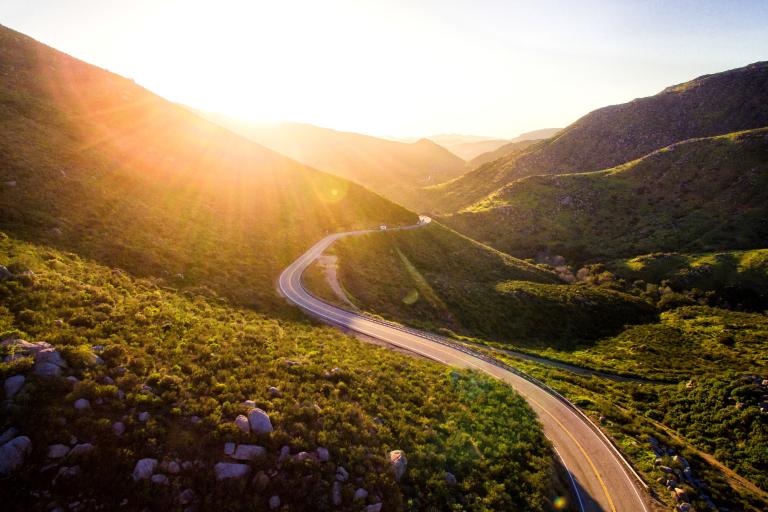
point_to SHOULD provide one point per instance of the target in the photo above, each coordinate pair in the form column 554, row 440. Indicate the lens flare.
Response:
column 560, row 503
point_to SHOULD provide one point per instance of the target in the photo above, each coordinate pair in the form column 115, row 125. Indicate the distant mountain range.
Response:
column 394, row 169
column 469, row 147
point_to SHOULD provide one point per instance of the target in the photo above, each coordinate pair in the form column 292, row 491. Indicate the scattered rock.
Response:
column 450, row 478
column 13, row 453
column 302, row 456
column 173, row 467
column 376, row 507
column 229, row 448
column 285, row 452
column 342, row 475
column 8, row 435
column 274, row 391
column 360, row 494
column 248, row 452
column 81, row 449
column 259, row 420
column 274, row 502
column 47, row 370
column 144, row 416
column 323, row 455
column 225, row 470
column 159, row 479
column 82, row 404
column 399, row 463
column 67, row 473
column 186, row 496
column 118, row 428
column 195, row 420
column 57, row 451
column 13, row 385
column 250, row 404
column 5, row 273
column 336, row 493
column 243, row 424
column 144, row 469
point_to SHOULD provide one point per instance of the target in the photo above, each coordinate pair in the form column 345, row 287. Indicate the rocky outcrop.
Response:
column 248, row 452
column 144, row 469
column 399, row 463
column 227, row 470
column 48, row 360
column 14, row 453
column 13, row 385
column 259, row 421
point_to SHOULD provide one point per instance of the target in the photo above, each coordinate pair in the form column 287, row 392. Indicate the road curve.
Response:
column 602, row 480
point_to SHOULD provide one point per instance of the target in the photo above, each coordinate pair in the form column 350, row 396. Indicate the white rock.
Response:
column 13, row 453
column 186, row 496
column 118, row 428
column 8, row 435
column 13, row 385
column 274, row 502
column 259, row 420
column 360, row 494
column 336, row 493
column 399, row 463
column 225, row 470
column 341, row 474
column 57, row 451
column 274, row 391
column 144, row 469
column 243, row 423
column 250, row 404
column 248, row 452
column 81, row 449
column 323, row 455
column 144, row 416
column 73, row 379
column 159, row 479
column 376, row 507
column 47, row 370
column 229, row 448
column 81, row 404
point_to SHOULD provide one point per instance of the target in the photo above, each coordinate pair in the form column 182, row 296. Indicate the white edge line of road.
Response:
column 572, row 407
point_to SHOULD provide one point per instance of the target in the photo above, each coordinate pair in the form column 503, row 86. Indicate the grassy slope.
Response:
column 93, row 163
column 711, row 105
column 503, row 151
column 393, row 169
column 699, row 195
column 435, row 278
column 204, row 357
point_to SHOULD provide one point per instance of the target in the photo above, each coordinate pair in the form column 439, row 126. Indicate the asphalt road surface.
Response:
column 602, row 480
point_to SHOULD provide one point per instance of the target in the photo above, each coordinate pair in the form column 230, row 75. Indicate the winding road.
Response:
column 602, row 480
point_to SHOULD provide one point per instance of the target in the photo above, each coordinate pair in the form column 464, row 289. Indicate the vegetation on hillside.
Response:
column 190, row 360
column 92, row 163
column 696, row 196
column 435, row 278
column 707, row 106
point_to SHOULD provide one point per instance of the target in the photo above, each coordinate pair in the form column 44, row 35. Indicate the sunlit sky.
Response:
column 402, row 67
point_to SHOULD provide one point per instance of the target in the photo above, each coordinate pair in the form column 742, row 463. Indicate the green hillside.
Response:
column 710, row 105
column 434, row 278
column 503, row 151
column 94, row 164
column 697, row 196
column 190, row 361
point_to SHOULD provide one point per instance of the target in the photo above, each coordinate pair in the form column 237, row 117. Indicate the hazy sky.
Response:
column 402, row 67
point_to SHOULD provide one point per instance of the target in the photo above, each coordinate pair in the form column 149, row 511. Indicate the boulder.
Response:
column 274, row 502
column 360, row 494
column 57, row 451
column 144, row 469
column 250, row 404
column 82, row 404
column 186, row 496
column 226, row 470
column 336, row 493
column 144, row 416
column 274, row 391
column 229, row 448
column 13, row 453
column 9, row 434
column 450, row 478
column 323, row 455
column 248, row 452
column 13, row 385
column 285, row 453
column 159, row 479
column 81, row 449
column 302, row 456
column 118, row 428
column 399, row 463
column 173, row 467
column 342, row 475
column 47, row 370
column 376, row 507
column 259, row 420
column 243, row 424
